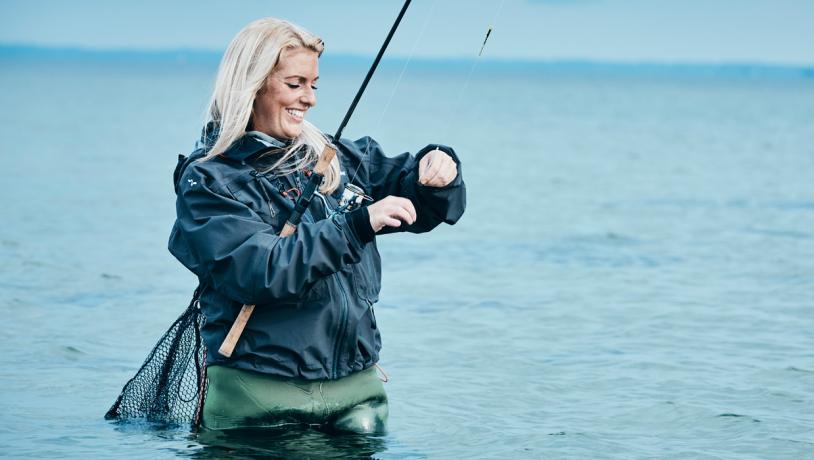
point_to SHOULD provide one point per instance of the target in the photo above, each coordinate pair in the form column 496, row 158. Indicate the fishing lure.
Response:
column 488, row 32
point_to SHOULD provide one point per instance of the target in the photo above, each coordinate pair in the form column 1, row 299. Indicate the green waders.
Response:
column 237, row 398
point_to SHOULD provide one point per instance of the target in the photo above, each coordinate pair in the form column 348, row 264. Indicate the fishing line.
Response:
column 371, row 71
column 407, row 63
column 457, row 103
column 395, row 87
column 461, row 91
column 314, row 180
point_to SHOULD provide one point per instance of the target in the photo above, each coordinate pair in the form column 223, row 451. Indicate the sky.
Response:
column 672, row 31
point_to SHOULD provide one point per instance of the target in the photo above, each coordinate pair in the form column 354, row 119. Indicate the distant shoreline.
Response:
column 22, row 52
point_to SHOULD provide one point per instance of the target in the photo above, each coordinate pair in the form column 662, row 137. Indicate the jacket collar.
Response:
column 253, row 143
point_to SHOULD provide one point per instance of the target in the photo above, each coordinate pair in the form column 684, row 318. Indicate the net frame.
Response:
column 170, row 386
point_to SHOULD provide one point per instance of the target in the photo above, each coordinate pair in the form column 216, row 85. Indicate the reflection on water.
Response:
column 288, row 443
column 291, row 441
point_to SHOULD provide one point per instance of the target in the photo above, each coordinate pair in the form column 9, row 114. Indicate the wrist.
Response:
column 359, row 221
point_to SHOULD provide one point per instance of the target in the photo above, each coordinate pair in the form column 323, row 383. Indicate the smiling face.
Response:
column 280, row 106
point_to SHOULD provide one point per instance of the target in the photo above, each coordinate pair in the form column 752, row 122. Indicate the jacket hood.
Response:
column 252, row 144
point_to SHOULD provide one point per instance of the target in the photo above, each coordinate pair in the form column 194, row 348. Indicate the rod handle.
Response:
column 324, row 162
column 229, row 343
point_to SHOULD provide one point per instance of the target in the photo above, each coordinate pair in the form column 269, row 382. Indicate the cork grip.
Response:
column 229, row 343
column 328, row 154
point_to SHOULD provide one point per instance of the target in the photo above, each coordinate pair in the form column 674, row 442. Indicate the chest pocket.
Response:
column 256, row 193
column 262, row 195
column 367, row 280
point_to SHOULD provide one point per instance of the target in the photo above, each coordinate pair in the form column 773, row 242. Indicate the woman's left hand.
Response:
column 437, row 169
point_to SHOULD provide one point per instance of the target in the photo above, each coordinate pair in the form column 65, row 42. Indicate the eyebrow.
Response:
column 300, row 77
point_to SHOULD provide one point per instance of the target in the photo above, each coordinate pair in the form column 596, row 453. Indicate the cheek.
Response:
column 287, row 100
column 263, row 105
column 271, row 102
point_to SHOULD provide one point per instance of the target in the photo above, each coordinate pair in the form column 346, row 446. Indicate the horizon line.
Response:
column 214, row 55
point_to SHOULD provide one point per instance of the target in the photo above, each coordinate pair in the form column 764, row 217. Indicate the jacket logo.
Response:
column 191, row 182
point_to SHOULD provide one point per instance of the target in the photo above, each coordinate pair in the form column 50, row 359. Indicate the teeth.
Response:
column 296, row 113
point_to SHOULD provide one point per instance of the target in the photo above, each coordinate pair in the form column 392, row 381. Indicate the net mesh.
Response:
column 171, row 384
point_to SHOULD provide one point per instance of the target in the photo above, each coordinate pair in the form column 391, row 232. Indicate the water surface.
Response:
column 633, row 278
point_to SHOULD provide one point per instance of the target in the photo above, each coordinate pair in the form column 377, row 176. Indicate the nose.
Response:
column 309, row 97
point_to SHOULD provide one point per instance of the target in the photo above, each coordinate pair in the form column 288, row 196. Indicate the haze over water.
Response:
column 633, row 277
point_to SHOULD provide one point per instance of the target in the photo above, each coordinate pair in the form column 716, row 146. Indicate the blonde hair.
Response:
column 250, row 59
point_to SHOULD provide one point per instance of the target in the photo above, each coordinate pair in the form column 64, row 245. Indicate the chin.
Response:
column 292, row 134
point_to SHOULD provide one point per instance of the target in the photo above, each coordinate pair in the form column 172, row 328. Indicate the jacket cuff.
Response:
column 449, row 151
column 359, row 221
column 444, row 148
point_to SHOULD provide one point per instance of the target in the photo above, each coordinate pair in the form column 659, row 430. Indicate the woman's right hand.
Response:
column 391, row 211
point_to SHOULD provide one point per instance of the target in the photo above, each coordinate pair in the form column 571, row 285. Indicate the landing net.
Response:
column 171, row 384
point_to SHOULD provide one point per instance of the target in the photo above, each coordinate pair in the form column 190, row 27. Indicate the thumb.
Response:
column 422, row 166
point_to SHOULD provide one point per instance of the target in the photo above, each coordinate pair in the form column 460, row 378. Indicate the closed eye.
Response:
column 297, row 86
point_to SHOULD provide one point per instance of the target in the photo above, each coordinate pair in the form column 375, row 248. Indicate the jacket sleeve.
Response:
column 226, row 243
column 399, row 176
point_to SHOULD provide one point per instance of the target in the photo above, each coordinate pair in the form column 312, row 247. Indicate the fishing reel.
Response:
column 352, row 198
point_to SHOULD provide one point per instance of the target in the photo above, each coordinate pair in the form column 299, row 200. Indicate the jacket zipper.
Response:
column 265, row 193
column 343, row 320
column 339, row 343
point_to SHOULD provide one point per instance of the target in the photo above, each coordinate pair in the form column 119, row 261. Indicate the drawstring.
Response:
column 384, row 378
column 265, row 194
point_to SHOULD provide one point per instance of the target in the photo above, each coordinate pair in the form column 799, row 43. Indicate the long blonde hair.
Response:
column 244, row 69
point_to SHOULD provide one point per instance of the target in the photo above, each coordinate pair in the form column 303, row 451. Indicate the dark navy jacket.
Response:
column 314, row 291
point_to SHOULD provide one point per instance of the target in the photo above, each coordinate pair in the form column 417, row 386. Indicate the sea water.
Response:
column 633, row 277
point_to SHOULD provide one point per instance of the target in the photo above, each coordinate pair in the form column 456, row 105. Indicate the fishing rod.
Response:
column 314, row 181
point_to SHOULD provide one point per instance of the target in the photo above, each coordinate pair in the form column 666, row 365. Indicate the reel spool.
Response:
column 352, row 198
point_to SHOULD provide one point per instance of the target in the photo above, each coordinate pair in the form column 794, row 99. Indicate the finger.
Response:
column 402, row 214
column 408, row 206
column 442, row 177
column 422, row 166
column 446, row 162
column 428, row 161
column 446, row 174
column 450, row 172
column 433, row 170
column 391, row 222
column 436, row 155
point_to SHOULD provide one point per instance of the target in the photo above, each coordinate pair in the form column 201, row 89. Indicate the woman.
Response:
column 308, row 352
